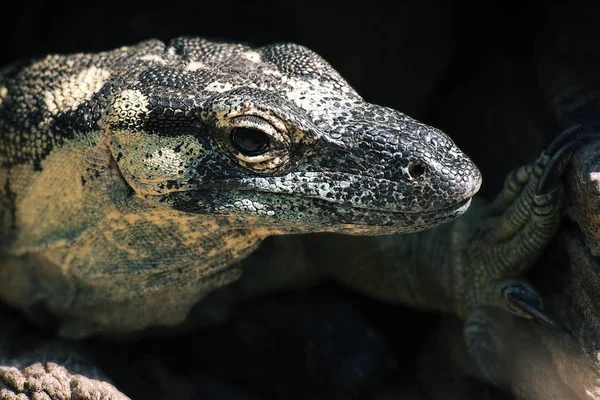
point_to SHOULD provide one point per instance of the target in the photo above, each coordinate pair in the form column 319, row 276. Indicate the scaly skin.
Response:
column 132, row 181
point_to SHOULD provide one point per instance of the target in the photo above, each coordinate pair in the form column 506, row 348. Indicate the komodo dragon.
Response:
column 133, row 181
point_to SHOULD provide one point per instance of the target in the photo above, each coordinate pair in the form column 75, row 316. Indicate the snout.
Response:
column 423, row 162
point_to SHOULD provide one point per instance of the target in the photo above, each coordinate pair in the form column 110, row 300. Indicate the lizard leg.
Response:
column 512, row 241
column 531, row 196
column 510, row 235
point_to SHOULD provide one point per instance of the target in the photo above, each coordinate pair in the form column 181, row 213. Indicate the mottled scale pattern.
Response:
column 47, row 101
column 107, row 158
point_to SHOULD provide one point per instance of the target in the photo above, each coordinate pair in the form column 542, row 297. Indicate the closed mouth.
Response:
column 454, row 208
column 316, row 210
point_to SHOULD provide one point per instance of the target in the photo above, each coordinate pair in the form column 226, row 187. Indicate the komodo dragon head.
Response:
column 276, row 133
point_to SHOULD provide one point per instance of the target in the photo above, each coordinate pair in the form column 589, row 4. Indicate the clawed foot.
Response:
column 508, row 237
column 512, row 232
column 560, row 151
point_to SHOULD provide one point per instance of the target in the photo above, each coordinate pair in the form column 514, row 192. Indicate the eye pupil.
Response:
column 250, row 141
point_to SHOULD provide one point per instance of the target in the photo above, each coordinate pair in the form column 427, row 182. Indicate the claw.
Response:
column 579, row 133
column 560, row 150
column 528, row 303
column 550, row 178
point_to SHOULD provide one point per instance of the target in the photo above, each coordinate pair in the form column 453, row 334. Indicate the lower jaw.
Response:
column 310, row 214
column 362, row 221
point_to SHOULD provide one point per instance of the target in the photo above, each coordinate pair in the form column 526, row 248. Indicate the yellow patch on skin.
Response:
column 182, row 225
column 49, row 197
column 75, row 90
column 81, row 220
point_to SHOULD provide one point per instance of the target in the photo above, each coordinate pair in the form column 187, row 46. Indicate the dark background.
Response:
column 465, row 67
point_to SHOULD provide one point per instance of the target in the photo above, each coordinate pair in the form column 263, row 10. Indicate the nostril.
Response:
column 416, row 169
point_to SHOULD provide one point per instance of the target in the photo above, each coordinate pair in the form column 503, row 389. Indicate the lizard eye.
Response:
column 257, row 143
column 250, row 141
